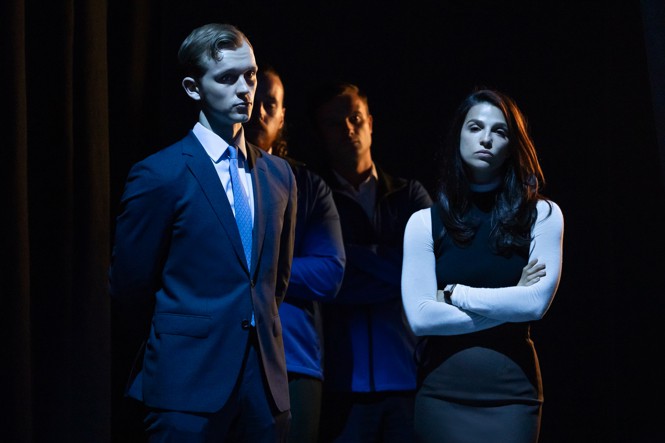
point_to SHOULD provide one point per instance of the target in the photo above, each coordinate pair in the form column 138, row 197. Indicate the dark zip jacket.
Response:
column 368, row 344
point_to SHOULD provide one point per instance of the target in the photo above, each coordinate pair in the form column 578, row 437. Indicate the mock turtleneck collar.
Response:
column 485, row 187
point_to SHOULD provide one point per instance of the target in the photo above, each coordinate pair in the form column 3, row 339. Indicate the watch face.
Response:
column 447, row 293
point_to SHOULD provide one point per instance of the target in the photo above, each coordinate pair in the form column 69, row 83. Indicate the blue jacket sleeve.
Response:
column 319, row 256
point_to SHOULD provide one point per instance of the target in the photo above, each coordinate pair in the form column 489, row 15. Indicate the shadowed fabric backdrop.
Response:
column 55, row 171
column 91, row 88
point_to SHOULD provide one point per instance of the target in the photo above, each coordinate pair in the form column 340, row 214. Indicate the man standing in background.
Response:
column 370, row 383
column 317, row 268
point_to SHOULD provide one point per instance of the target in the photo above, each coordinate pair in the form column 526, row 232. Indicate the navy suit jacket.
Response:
column 178, row 247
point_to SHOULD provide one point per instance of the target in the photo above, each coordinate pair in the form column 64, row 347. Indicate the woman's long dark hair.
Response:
column 514, row 213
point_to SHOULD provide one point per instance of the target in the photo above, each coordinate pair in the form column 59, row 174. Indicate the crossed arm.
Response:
column 475, row 309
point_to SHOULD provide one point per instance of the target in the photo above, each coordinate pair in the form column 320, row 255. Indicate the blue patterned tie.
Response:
column 241, row 205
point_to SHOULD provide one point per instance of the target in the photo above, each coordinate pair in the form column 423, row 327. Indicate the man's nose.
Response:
column 262, row 109
column 243, row 87
column 349, row 127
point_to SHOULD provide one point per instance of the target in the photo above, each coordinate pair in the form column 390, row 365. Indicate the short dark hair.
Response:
column 327, row 91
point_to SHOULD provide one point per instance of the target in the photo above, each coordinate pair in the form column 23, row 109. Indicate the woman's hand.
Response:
column 531, row 273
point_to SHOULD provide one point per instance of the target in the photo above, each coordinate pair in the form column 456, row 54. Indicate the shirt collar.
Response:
column 214, row 145
column 373, row 176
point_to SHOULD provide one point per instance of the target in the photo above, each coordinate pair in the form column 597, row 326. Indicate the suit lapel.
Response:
column 261, row 193
column 204, row 172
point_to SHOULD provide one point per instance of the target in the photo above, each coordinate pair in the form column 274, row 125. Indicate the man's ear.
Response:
column 191, row 88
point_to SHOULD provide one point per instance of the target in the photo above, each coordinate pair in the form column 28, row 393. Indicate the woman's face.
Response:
column 484, row 143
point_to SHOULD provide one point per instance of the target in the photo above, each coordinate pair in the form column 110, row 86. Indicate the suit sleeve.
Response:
column 143, row 230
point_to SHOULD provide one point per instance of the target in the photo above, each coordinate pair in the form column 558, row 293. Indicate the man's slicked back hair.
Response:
column 207, row 42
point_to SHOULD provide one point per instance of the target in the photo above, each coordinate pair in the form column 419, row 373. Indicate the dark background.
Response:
column 92, row 86
column 579, row 71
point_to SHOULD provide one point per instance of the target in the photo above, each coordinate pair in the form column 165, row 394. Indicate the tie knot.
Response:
column 233, row 152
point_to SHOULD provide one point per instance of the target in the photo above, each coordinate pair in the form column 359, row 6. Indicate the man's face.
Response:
column 226, row 89
column 346, row 126
column 268, row 116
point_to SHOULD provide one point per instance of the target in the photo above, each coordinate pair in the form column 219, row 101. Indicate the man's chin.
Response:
column 240, row 116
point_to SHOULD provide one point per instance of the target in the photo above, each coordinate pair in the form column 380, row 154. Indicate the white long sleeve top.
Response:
column 476, row 309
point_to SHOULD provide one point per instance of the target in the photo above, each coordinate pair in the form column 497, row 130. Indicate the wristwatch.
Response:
column 448, row 292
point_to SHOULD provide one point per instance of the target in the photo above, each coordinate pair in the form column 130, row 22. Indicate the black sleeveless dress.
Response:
column 483, row 386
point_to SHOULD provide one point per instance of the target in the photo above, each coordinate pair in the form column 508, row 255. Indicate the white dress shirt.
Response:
column 217, row 150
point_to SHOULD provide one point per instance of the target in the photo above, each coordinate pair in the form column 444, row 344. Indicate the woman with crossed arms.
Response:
column 479, row 266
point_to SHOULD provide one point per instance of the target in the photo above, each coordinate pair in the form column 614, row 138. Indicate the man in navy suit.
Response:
column 213, row 365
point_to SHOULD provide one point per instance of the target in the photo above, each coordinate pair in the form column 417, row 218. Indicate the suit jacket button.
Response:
column 245, row 324
column 253, row 283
